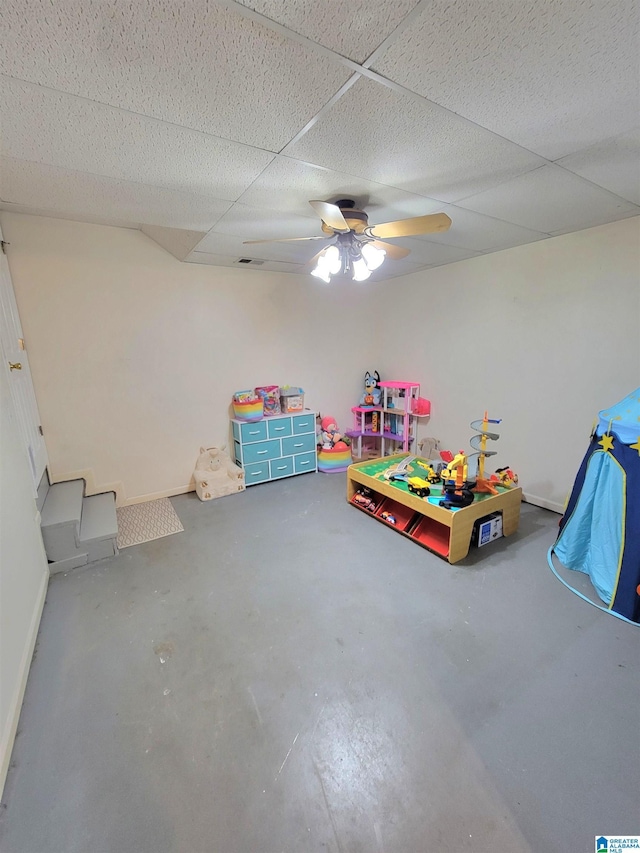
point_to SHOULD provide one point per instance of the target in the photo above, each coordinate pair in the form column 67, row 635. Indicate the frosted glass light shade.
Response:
column 361, row 271
column 373, row 256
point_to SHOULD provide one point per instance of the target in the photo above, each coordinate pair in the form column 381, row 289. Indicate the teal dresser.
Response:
column 275, row 447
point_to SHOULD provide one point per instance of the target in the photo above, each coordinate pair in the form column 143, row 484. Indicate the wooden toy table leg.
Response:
column 460, row 537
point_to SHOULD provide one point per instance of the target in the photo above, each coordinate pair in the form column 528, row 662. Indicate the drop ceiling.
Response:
column 209, row 123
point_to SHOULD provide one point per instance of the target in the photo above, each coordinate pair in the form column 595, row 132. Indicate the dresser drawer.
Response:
column 261, row 451
column 257, row 473
column 298, row 444
column 282, row 467
column 254, row 431
column 279, row 428
column 304, row 423
column 305, row 462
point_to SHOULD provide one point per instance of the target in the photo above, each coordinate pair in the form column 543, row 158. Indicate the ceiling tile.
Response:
column 232, row 246
column 251, row 223
column 189, row 62
column 63, row 130
column 288, row 185
column 228, row 261
column 431, row 254
column 352, row 29
column 481, row 233
column 555, row 76
column 549, row 199
column 614, row 165
column 77, row 195
column 405, row 142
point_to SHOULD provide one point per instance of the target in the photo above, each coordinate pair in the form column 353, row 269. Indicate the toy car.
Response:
column 418, row 486
column 365, row 501
column 388, row 517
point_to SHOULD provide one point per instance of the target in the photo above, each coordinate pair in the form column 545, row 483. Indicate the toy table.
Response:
column 446, row 532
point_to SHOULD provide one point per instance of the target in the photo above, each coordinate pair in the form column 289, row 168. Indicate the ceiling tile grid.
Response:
column 188, row 62
column 227, row 117
column 79, row 194
column 353, row 29
column 550, row 199
column 613, row 164
column 406, row 142
column 46, row 126
column 555, row 76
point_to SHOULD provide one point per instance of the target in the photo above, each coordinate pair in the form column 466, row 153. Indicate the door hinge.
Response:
column 3, row 245
column 40, row 430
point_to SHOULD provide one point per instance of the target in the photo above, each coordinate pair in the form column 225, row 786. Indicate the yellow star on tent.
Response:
column 606, row 441
column 636, row 446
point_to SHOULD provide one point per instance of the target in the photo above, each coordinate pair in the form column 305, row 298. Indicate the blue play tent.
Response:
column 600, row 530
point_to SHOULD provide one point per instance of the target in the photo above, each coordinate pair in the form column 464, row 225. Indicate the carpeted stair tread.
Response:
column 99, row 519
column 63, row 504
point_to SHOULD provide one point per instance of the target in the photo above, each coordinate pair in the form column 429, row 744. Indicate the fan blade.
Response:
column 408, row 227
column 331, row 215
column 396, row 253
column 284, row 240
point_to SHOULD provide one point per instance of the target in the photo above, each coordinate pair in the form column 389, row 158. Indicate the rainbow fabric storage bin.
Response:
column 334, row 461
column 247, row 406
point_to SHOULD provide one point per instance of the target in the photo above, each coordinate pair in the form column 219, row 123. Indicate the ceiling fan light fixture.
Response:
column 331, row 259
column 361, row 271
column 373, row 256
column 321, row 271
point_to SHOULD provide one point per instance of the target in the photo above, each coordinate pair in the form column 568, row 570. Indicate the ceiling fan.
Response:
column 354, row 245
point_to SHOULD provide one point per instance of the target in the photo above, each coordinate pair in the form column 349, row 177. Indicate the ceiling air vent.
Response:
column 249, row 261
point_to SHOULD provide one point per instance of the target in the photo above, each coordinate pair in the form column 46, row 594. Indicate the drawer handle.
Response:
column 256, row 473
column 260, row 452
column 303, row 423
column 281, row 468
column 305, row 463
column 299, row 445
column 254, row 432
column 278, row 429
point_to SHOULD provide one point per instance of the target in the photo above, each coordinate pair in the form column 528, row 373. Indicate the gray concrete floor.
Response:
column 290, row 675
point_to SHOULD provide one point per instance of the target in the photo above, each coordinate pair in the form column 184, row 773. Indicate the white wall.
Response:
column 23, row 574
column 135, row 355
column 543, row 336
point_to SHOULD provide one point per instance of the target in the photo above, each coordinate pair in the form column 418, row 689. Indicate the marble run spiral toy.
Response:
column 479, row 444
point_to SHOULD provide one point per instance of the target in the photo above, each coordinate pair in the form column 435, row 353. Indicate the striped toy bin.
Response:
column 248, row 410
column 334, row 461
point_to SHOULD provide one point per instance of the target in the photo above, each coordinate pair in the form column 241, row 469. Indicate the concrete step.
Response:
column 60, row 520
column 63, row 504
column 68, row 564
column 99, row 527
column 99, row 520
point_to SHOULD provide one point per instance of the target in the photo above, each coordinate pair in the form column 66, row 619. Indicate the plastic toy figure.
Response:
column 388, row 517
column 505, row 477
column 372, row 392
column 330, row 434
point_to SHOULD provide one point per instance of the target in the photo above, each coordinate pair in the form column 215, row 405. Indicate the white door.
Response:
column 16, row 363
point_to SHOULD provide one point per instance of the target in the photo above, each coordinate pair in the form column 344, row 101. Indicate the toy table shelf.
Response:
column 446, row 532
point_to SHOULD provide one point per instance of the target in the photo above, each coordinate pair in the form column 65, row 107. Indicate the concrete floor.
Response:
column 290, row 675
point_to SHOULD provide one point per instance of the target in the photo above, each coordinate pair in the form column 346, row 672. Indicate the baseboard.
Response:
column 543, row 503
column 154, row 496
column 11, row 726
